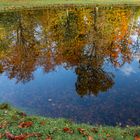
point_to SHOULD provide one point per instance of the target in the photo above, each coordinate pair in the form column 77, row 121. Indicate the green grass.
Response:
column 57, row 129
column 10, row 4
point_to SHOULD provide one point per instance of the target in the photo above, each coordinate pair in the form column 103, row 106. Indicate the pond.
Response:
column 80, row 63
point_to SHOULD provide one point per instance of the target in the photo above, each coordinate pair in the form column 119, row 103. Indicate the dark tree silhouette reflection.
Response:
column 92, row 81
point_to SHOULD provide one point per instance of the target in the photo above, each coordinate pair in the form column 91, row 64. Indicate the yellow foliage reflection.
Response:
column 81, row 37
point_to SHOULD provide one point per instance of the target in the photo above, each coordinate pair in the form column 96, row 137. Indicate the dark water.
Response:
column 80, row 63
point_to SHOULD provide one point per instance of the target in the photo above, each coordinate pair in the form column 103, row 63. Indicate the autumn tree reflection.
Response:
column 81, row 38
column 21, row 54
column 92, row 81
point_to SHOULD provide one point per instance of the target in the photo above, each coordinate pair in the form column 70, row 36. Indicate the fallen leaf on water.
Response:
column 90, row 138
column 25, row 124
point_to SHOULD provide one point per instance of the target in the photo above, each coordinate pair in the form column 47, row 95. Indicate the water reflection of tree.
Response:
column 21, row 56
column 83, row 38
column 92, row 81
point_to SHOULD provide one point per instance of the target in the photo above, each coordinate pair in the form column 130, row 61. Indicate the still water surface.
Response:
column 80, row 63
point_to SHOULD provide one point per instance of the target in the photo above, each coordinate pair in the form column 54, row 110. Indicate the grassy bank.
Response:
column 16, row 125
column 37, row 3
